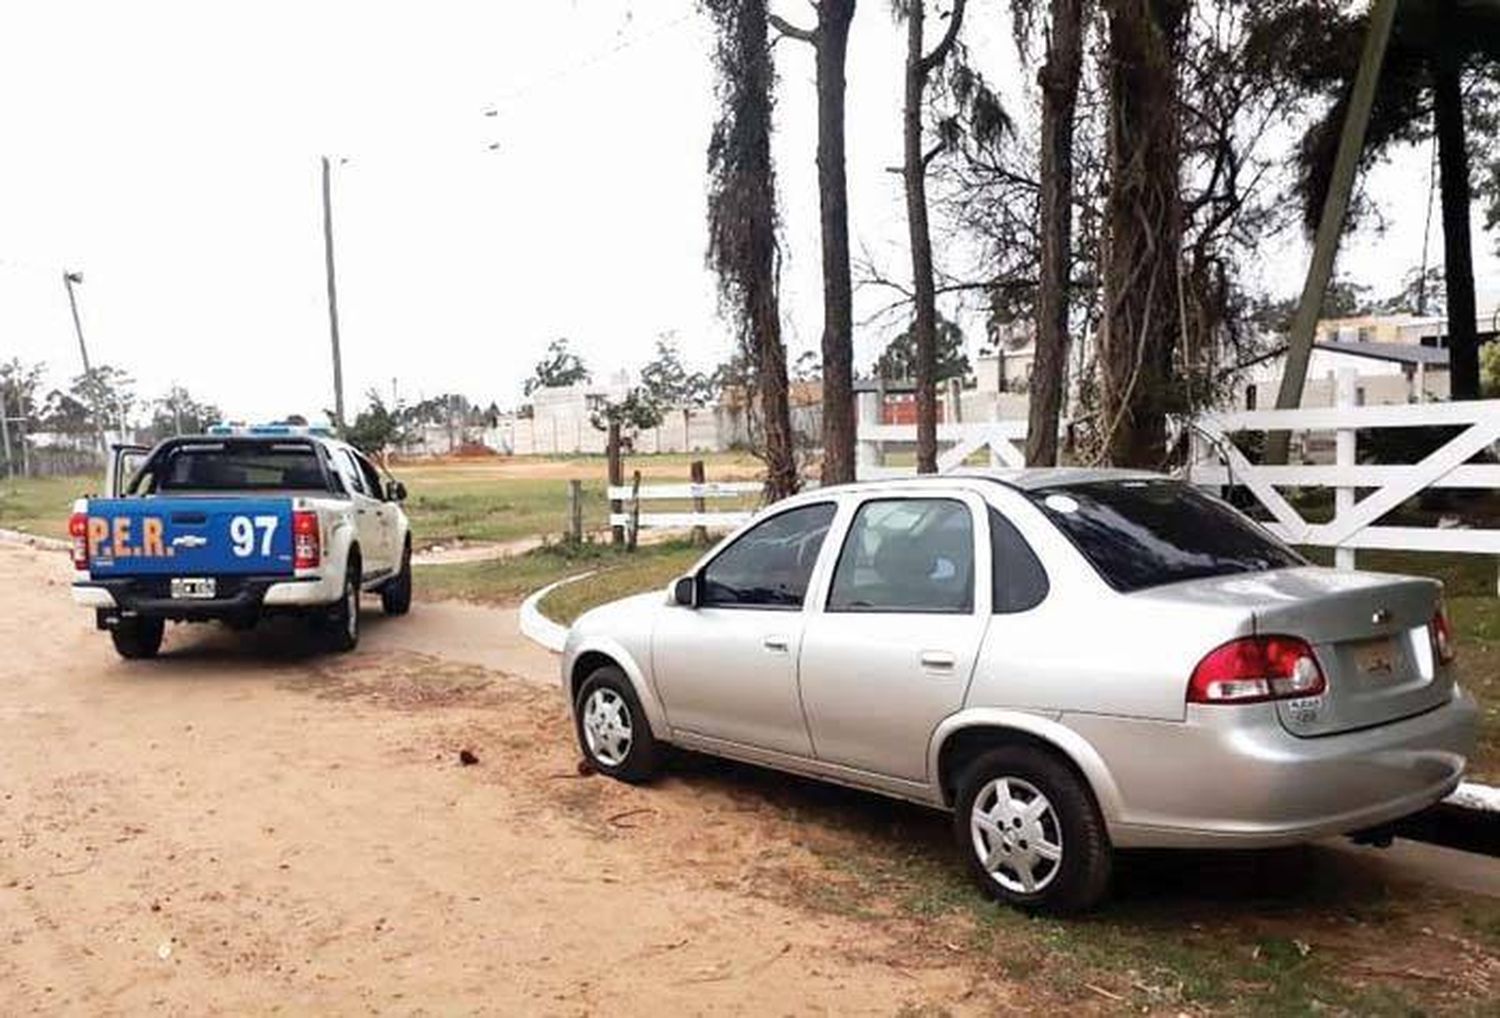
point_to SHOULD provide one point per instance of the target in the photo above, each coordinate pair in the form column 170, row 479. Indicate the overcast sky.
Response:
column 169, row 151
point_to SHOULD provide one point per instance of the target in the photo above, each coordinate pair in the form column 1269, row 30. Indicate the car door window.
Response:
column 1020, row 582
column 907, row 555
column 370, row 477
column 769, row 566
column 353, row 476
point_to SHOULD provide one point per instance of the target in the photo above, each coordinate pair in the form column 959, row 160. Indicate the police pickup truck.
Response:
column 235, row 525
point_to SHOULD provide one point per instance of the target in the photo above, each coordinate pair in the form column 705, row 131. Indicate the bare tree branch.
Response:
column 940, row 51
column 791, row 31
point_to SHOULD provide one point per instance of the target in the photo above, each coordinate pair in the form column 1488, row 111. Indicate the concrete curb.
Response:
column 33, row 540
column 537, row 627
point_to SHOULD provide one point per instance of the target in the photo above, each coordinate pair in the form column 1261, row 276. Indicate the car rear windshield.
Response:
column 1147, row 533
column 235, row 466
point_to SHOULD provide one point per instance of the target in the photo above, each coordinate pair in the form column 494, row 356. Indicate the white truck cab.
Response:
column 237, row 524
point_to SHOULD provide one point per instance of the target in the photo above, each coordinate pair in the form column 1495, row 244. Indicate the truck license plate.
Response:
column 194, row 587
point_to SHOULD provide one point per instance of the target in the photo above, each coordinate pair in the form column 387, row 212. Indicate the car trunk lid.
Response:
column 1370, row 633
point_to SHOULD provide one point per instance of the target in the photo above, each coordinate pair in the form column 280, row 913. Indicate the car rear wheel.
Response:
column 395, row 596
column 137, row 638
column 1030, row 832
column 342, row 632
column 612, row 728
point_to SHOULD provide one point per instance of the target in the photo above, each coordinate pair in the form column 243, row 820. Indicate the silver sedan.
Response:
column 1070, row 661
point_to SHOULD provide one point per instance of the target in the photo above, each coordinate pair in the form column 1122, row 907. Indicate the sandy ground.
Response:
column 243, row 827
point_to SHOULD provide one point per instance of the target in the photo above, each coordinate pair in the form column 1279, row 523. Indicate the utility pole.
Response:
column 10, row 464
column 333, row 300
column 69, row 279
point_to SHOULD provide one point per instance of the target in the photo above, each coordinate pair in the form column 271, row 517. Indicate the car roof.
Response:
column 1024, row 479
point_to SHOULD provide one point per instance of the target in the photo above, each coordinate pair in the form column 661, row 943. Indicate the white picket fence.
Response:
column 1217, row 463
column 723, row 519
column 1354, row 525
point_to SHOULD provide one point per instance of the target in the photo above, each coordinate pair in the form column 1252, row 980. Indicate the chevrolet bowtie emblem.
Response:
column 189, row 541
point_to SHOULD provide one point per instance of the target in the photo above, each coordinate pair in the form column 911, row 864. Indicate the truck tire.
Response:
column 341, row 634
column 138, row 638
column 395, row 596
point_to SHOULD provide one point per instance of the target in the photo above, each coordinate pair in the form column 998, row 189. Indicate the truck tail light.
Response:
column 1253, row 669
column 1441, row 632
column 78, row 530
column 307, row 548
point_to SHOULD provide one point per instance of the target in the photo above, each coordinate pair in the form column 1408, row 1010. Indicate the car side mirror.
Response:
column 685, row 591
column 395, row 491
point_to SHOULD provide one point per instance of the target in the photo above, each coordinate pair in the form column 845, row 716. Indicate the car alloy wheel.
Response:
column 607, row 727
column 1017, row 836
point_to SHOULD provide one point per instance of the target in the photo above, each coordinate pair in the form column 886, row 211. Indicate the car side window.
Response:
column 770, row 565
column 369, row 475
column 907, row 555
column 1020, row 582
column 353, row 476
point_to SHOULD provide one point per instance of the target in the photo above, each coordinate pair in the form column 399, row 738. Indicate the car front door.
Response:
column 890, row 651
column 726, row 667
column 385, row 512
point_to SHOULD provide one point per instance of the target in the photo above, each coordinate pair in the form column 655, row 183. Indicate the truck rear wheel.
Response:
column 342, row 632
column 137, row 638
column 395, row 596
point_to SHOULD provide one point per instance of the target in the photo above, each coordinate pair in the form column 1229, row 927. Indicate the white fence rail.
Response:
column 1004, row 440
column 1355, row 520
column 725, row 519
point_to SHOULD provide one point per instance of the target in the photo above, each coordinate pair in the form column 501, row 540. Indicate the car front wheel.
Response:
column 612, row 728
column 1030, row 832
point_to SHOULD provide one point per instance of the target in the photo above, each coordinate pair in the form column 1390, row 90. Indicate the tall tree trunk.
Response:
column 1144, row 223
column 742, row 221
column 914, row 172
column 832, row 44
column 1458, row 250
column 1059, row 82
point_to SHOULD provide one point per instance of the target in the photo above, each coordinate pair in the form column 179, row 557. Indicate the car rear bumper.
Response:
column 1234, row 777
column 248, row 595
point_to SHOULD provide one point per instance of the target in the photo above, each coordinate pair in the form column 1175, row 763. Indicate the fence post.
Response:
column 635, row 511
column 1344, row 456
column 616, row 479
column 695, row 472
column 575, row 511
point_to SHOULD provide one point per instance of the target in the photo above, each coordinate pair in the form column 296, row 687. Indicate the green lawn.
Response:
column 41, row 505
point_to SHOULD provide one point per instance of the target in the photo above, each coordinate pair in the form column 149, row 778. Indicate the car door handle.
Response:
column 938, row 659
column 775, row 644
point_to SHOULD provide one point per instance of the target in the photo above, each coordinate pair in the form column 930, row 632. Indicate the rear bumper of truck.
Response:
column 240, row 597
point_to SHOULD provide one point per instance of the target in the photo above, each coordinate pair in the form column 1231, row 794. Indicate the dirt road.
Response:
column 238, row 827
column 243, row 826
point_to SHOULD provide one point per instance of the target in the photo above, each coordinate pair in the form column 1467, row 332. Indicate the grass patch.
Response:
column 507, row 580
column 40, row 505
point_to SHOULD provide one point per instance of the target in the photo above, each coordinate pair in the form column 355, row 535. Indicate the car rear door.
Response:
column 368, row 508
column 890, row 651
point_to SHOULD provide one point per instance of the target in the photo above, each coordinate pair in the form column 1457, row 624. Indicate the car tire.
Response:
column 138, row 638
column 1030, row 832
column 341, row 634
column 612, row 729
column 395, row 596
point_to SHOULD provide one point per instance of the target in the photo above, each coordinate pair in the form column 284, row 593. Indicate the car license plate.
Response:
column 194, row 588
column 1377, row 659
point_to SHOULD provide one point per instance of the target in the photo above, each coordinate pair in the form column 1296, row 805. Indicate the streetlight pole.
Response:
column 69, row 279
column 333, row 300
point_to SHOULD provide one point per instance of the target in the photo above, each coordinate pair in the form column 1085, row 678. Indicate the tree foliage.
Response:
column 561, row 367
column 898, row 362
column 178, row 413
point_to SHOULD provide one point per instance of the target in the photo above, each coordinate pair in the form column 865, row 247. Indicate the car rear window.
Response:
column 237, row 466
column 1146, row 533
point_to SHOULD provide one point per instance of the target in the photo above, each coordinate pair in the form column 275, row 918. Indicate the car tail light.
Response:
column 307, row 549
column 1441, row 632
column 78, row 530
column 1257, row 668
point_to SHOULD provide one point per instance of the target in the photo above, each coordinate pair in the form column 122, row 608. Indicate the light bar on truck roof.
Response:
column 271, row 430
